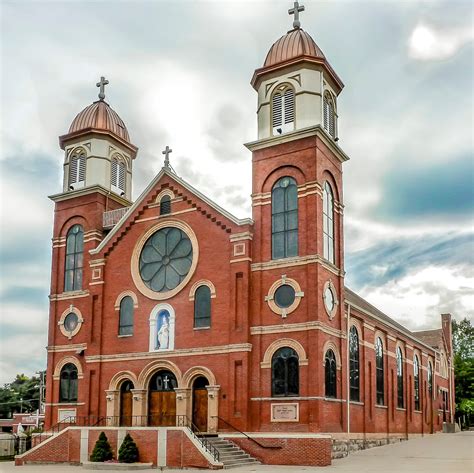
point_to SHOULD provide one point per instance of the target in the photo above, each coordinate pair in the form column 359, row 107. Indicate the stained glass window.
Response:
column 70, row 322
column 330, row 369
column 416, row 375
column 126, row 316
column 284, row 296
column 354, row 372
column 430, row 378
column 165, row 205
column 379, row 375
column 400, row 397
column 68, row 383
column 328, row 223
column 166, row 259
column 284, row 218
column 285, row 372
column 202, row 307
column 74, row 259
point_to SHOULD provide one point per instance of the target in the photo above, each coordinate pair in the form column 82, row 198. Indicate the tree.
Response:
column 128, row 452
column 102, row 449
column 463, row 347
column 21, row 395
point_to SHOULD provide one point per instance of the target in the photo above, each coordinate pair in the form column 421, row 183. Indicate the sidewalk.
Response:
column 439, row 453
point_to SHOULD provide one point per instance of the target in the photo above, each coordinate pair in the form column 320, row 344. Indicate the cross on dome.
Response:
column 296, row 11
column 101, row 84
column 167, row 152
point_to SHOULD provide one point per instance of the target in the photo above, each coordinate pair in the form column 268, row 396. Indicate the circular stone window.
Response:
column 284, row 296
column 70, row 322
column 330, row 299
column 166, row 259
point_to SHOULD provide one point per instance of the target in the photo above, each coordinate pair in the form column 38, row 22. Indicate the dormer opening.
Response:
column 77, row 169
column 329, row 114
column 283, row 109
column 118, row 176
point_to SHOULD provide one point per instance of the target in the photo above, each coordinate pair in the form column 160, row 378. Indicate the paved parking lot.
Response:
column 440, row 453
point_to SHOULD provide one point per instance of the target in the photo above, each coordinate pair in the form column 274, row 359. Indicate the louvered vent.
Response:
column 121, row 176
column 73, row 169
column 329, row 115
column 82, row 168
column 113, row 173
column 289, row 106
column 277, row 105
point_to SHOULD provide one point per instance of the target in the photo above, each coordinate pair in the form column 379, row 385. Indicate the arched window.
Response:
column 126, row 316
column 118, row 176
column 330, row 368
column 202, row 307
column 379, row 378
column 400, row 400
column 74, row 259
column 284, row 218
column 68, row 383
column 283, row 110
column 430, row 378
column 329, row 114
column 77, row 170
column 165, row 205
column 285, row 372
column 354, row 374
column 328, row 223
column 416, row 378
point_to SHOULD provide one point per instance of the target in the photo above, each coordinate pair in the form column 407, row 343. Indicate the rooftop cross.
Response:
column 296, row 11
column 167, row 152
column 102, row 83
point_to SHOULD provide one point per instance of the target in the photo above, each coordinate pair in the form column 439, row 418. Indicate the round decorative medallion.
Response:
column 284, row 296
column 70, row 322
column 330, row 299
column 166, row 259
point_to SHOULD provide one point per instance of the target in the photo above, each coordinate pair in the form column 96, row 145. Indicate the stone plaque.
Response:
column 66, row 414
column 287, row 412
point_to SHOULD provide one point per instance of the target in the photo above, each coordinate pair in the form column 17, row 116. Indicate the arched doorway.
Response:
column 200, row 408
column 162, row 399
column 126, row 403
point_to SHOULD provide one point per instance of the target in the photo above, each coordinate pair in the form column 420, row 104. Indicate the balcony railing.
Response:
column 111, row 217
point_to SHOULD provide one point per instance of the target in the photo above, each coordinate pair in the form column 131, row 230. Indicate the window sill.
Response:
column 381, row 406
column 125, row 336
column 201, row 328
column 333, row 399
column 401, row 409
column 69, row 403
column 357, row 403
column 418, row 412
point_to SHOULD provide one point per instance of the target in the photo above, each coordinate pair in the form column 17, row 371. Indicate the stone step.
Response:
column 238, row 464
column 236, row 456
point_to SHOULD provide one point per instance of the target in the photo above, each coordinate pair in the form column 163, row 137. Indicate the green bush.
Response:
column 128, row 452
column 102, row 449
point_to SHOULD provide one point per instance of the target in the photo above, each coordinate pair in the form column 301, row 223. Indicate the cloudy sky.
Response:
column 179, row 75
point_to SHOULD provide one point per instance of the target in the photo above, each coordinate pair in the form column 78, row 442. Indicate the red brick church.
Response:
column 168, row 310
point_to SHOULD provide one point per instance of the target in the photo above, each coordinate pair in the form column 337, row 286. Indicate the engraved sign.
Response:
column 285, row 412
column 66, row 415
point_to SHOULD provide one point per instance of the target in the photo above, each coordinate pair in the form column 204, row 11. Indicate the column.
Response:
column 212, row 408
column 183, row 406
column 139, row 414
column 113, row 406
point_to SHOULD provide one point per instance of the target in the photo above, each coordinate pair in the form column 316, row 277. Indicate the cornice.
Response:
column 89, row 190
column 307, row 132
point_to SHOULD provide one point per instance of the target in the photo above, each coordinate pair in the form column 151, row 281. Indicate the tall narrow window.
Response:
column 354, row 374
column 379, row 378
column 285, row 372
column 430, row 378
column 330, row 370
column 283, row 110
column 284, row 218
column 416, row 377
column 400, row 400
column 328, row 223
column 202, row 307
column 77, row 170
column 68, row 383
column 118, row 176
column 126, row 316
column 329, row 112
column 165, row 205
column 74, row 259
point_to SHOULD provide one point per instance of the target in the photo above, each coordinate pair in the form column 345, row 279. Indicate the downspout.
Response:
column 348, row 372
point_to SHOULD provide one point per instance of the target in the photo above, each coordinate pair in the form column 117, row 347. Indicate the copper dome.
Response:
column 292, row 45
column 100, row 116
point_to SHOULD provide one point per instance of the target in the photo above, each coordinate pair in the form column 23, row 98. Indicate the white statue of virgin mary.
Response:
column 163, row 335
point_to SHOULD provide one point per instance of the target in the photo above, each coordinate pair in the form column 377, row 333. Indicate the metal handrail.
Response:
column 246, row 435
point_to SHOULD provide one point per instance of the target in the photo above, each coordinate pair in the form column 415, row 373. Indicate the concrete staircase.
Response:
column 230, row 454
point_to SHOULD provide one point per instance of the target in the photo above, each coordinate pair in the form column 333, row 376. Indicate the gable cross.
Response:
column 167, row 152
column 296, row 11
column 101, row 84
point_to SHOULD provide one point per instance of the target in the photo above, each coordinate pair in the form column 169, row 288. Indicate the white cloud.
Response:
column 428, row 43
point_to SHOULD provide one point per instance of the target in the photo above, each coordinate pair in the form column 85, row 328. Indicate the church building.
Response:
column 168, row 314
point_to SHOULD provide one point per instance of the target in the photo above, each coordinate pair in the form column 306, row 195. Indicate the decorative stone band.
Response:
column 297, row 261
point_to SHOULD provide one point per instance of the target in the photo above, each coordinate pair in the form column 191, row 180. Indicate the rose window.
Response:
column 165, row 259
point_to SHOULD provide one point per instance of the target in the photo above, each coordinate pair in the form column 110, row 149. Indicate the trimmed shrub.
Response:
column 128, row 452
column 102, row 449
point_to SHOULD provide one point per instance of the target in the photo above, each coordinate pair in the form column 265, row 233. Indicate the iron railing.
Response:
column 111, row 217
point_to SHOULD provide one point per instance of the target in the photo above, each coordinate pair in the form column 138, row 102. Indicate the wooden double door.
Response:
column 162, row 399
